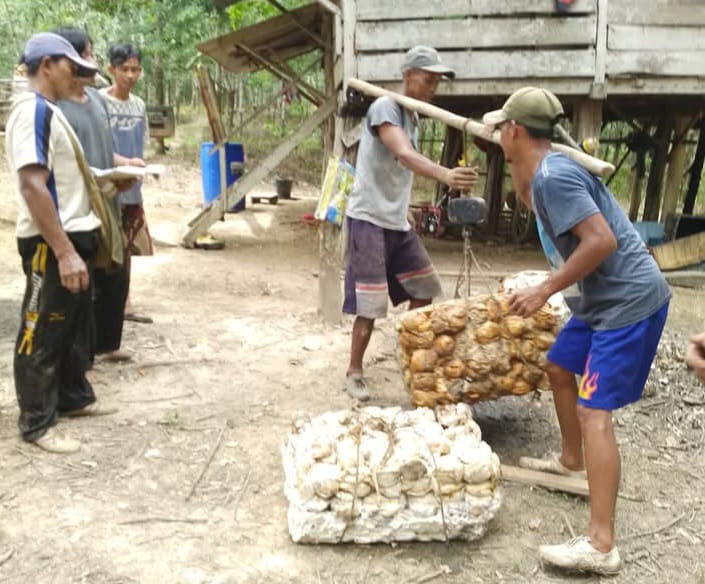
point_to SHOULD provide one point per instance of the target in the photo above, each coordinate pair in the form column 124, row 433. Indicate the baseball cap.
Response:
column 48, row 44
column 529, row 106
column 426, row 58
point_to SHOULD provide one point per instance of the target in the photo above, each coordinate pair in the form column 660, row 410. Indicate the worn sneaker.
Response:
column 579, row 555
column 356, row 387
column 94, row 409
column 53, row 441
column 552, row 464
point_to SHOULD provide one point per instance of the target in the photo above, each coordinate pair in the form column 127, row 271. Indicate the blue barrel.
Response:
column 210, row 171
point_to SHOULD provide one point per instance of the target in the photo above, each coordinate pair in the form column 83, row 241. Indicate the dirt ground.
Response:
column 235, row 351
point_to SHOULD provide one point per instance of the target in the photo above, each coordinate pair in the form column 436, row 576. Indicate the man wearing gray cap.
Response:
column 57, row 235
column 385, row 257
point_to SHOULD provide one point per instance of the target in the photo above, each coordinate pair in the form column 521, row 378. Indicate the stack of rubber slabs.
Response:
column 473, row 349
column 385, row 474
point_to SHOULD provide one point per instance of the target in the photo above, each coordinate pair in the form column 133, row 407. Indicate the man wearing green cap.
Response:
column 619, row 300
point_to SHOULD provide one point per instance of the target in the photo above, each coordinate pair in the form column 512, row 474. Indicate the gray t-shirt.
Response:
column 92, row 126
column 627, row 286
column 128, row 122
column 91, row 123
column 382, row 189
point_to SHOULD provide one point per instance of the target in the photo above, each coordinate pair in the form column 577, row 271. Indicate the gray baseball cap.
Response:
column 48, row 44
column 426, row 58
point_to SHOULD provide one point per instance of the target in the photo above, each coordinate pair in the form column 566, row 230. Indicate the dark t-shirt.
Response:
column 627, row 286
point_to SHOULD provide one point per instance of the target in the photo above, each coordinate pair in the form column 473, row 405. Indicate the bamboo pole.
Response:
column 592, row 164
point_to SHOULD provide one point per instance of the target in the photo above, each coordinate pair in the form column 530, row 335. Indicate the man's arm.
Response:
column 398, row 143
column 33, row 186
column 695, row 355
column 596, row 244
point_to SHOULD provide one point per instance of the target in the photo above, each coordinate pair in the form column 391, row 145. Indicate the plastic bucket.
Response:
column 283, row 186
column 210, row 171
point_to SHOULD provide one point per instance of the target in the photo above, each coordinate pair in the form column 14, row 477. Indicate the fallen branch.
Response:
column 155, row 399
column 240, row 493
column 655, row 531
column 443, row 571
column 158, row 519
column 568, row 524
column 5, row 557
column 208, row 463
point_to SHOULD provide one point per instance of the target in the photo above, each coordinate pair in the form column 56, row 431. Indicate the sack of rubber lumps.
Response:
column 473, row 349
column 386, row 474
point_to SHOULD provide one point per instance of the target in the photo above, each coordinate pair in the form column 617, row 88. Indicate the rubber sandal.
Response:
column 356, row 387
column 551, row 464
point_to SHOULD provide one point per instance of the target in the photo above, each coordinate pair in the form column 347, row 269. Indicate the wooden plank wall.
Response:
column 656, row 38
column 647, row 46
column 483, row 40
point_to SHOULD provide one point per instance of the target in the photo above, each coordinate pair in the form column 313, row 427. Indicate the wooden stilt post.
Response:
column 676, row 168
column 638, row 172
column 340, row 64
column 696, row 173
column 493, row 187
column 587, row 119
column 652, row 202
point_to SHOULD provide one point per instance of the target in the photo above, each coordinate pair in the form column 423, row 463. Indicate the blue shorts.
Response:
column 614, row 364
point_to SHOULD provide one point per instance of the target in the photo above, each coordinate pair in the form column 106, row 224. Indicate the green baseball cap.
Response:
column 529, row 106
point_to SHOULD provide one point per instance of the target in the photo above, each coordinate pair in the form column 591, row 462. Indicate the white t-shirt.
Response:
column 35, row 135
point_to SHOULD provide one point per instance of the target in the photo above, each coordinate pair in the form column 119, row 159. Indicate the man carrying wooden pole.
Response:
column 619, row 300
column 385, row 257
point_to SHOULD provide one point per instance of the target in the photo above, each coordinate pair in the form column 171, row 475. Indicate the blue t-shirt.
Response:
column 627, row 286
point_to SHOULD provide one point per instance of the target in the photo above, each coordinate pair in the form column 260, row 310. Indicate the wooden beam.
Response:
column 350, row 62
column 310, row 93
column 204, row 219
column 554, row 482
column 587, row 119
column 210, row 102
column 328, row 5
column 658, row 12
column 492, row 64
column 493, row 187
column 628, row 37
column 405, row 9
column 661, row 63
column 676, row 167
column 638, row 173
column 654, row 186
column 318, row 40
column 598, row 89
column 476, row 33
column 696, row 172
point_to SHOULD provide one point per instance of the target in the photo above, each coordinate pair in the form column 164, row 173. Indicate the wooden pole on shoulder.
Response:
column 594, row 165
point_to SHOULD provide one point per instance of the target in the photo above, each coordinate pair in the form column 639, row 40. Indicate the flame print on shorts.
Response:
column 588, row 382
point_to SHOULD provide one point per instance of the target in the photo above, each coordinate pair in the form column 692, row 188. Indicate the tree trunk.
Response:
column 159, row 88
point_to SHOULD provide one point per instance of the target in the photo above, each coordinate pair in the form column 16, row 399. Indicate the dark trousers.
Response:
column 54, row 343
column 110, row 294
